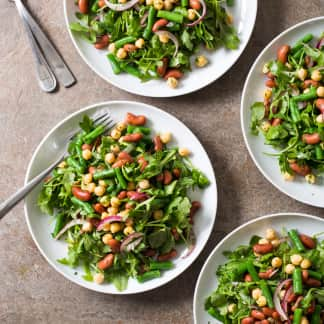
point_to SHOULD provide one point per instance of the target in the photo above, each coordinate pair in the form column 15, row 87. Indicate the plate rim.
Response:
column 245, row 89
column 233, row 232
column 158, row 95
column 28, row 175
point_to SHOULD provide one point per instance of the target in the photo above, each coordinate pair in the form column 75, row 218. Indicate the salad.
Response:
column 121, row 201
column 291, row 116
column 272, row 280
column 152, row 39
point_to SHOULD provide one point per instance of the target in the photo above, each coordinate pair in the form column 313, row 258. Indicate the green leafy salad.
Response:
column 155, row 38
column 291, row 116
column 121, row 201
column 272, row 280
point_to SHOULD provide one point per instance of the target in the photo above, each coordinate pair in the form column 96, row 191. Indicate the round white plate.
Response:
column 253, row 91
column 41, row 226
column 244, row 14
column 207, row 280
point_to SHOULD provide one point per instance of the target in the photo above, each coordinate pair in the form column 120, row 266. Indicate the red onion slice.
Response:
column 143, row 19
column 320, row 43
column 276, row 300
column 203, row 14
column 131, row 242
column 70, row 224
column 120, row 7
column 172, row 37
column 107, row 220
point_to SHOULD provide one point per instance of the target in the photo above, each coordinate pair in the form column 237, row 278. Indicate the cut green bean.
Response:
column 114, row 63
column 78, row 145
column 181, row 11
column 315, row 274
column 311, row 94
column 171, row 16
column 90, row 137
column 123, row 41
column 149, row 275
column 59, row 223
column 166, row 265
column 138, row 129
column 150, row 21
column 297, row 281
column 299, row 44
column 74, row 164
column 83, row 205
column 319, row 152
column 298, row 314
column 296, row 240
column 121, row 181
column 316, row 317
column 104, row 174
column 252, row 271
column 184, row 3
column 266, row 293
column 132, row 70
column 294, row 111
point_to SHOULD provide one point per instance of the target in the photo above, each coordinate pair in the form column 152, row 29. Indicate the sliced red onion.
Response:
column 131, row 242
column 273, row 273
column 137, row 196
column 276, row 300
column 137, row 7
column 70, row 224
column 202, row 16
column 192, row 238
column 172, row 37
column 120, row 7
column 143, row 19
column 108, row 220
column 320, row 43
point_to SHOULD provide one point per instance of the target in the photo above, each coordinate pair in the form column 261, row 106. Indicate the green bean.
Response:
column 121, row 181
column 116, row 190
column 299, row 44
column 319, row 152
column 297, row 281
column 59, row 223
column 75, row 164
column 111, row 188
column 166, row 265
column 171, row 16
column 181, row 11
column 294, row 111
column 297, row 55
column 114, row 63
column 266, row 293
column 90, row 137
column 230, row 3
column 149, row 275
column 311, row 94
column 104, row 174
column 316, row 317
column 95, row 7
column 83, row 205
column 315, row 274
column 184, row 3
column 252, row 271
column 298, row 313
column 123, row 41
column 150, row 21
column 296, row 240
column 78, row 145
column 138, row 129
column 132, row 70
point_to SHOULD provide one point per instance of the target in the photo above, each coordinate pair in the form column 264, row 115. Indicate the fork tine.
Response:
column 98, row 118
column 102, row 120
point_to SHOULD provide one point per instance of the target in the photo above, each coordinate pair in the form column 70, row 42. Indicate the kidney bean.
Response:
column 114, row 245
column 195, row 205
column 270, row 75
column 83, row 6
column 262, row 248
column 119, row 163
column 176, row 172
column 311, row 282
column 129, row 48
column 94, row 221
column 92, row 169
column 276, row 121
column 132, row 138
column 102, row 42
column 248, row 278
column 195, row 4
column 282, row 53
column 297, row 303
column 320, row 105
column 86, row 147
column 247, row 320
column 305, row 275
column 157, row 143
column 125, row 156
column 257, row 314
column 291, row 298
column 159, row 177
column 99, row 208
column 162, row 69
column 158, row 24
column 106, row 262
column 101, row 3
column 267, row 311
column 307, row 241
column 83, row 195
column 122, row 194
column 129, row 206
column 271, row 83
column 275, row 315
column 167, row 256
column 267, row 274
column 311, row 138
column 309, row 62
column 265, row 321
column 143, row 163
column 167, row 177
column 309, row 82
column 300, row 169
column 132, row 119
column 149, row 253
column 173, row 73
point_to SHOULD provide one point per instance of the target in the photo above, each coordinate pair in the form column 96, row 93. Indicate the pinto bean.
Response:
column 262, row 248
column 176, row 172
column 307, row 241
column 83, row 195
column 276, row 315
column 270, row 83
column 267, row 311
column 291, row 298
column 305, row 275
column 167, row 177
column 83, row 6
column 257, row 314
column 132, row 138
column 132, row 119
column 282, row 53
column 162, row 69
column 157, row 143
column 101, row 3
column 106, row 262
column 276, row 121
column 267, row 274
column 167, row 256
column 309, row 82
column 92, row 169
column 248, row 278
column 99, row 208
column 247, row 320
column 158, row 24
column 320, row 105
column 114, row 245
column 173, row 73
column 311, row 282
column 86, row 147
column 311, row 138
column 160, row 177
column 143, row 163
column 195, row 4
column 300, row 169
column 122, row 194
column 195, row 205
column 129, row 48
column 102, row 42
column 119, row 163
column 125, row 156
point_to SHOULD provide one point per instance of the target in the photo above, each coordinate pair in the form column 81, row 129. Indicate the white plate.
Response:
column 41, row 227
column 253, row 91
column 207, row 280
column 244, row 14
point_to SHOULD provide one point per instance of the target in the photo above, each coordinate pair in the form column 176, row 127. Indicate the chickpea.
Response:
column 304, row 320
column 263, row 241
column 191, row 14
column 183, row 151
column 105, row 201
column 256, row 293
column 265, row 68
column 265, row 125
column 168, row 5
column 91, row 187
column 124, row 213
column 282, row 294
column 110, row 158
column 106, row 238
column 104, row 215
column 115, row 227
column 261, row 301
column 316, row 75
column 128, row 230
column 62, row 165
column 158, row 4
column 267, row 94
column 296, row 259
column 149, row 2
column 172, row 82
column 201, row 61
column 270, row 234
column 86, row 154
column 289, row 66
column 320, row 119
column 100, row 191
column 231, row 308
column 112, row 211
column 129, row 222
column 121, row 53
column 275, row 243
column 131, row 186
column 276, row 262
column 121, row 126
column 115, row 148
column 112, row 48
column 302, row 74
column 164, row 38
column 288, row 176
column 102, row 183
column 87, row 227
column 320, row 91
column 115, row 134
column 99, row 278
column 165, row 137
column 158, row 214
column 305, row 264
column 115, row 202
column 144, row 184
column 87, row 178
column 310, row 178
column 289, row 269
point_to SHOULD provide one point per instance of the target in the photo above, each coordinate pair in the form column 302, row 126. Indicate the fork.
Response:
column 103, row 120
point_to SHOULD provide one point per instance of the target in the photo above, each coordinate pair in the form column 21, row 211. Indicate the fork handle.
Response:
column 6, row 206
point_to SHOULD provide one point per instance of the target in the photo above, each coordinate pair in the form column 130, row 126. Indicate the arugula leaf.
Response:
column 257, row 114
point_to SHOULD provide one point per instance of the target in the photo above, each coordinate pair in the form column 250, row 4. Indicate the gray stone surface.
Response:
column 30, row 290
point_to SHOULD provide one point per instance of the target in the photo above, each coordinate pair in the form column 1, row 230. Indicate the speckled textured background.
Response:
column 30, row 290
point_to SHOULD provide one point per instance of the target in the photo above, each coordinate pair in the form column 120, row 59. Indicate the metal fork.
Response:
column 104, row 120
